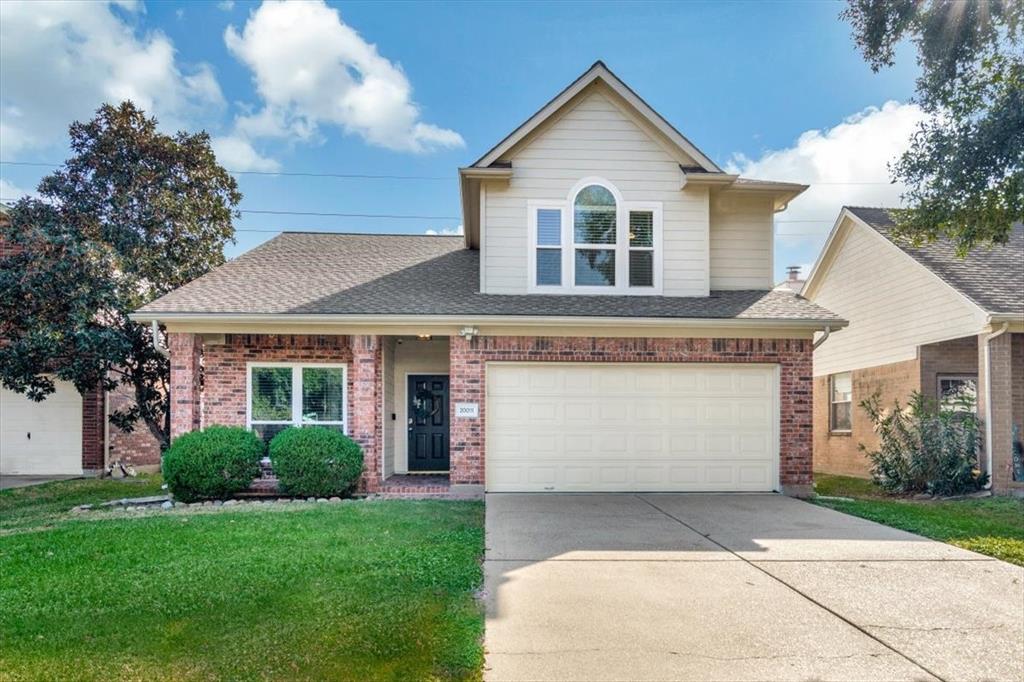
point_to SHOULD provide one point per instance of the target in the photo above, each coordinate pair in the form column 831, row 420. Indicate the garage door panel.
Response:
column 41, row 437
column 629, row 427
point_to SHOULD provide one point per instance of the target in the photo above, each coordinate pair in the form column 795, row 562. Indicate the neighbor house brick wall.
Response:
column 1001, row 391
column 186, row 365
column 138, row 448
column 839, row 453
column 468, row 366
column 93, row 421
column 957, row 356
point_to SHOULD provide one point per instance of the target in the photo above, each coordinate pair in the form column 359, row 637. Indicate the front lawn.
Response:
column 991, row 525
column 359, row 590
column 49, row 503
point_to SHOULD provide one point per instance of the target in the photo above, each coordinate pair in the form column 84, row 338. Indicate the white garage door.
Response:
column 44, row 437
column 599, row 427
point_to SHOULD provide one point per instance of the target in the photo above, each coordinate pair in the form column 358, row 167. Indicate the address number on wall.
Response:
column 467, row 410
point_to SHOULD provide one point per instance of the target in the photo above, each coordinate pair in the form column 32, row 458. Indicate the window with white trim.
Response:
column 841, row 402
column 296, row 394
column 595, row 243
column 958, row 393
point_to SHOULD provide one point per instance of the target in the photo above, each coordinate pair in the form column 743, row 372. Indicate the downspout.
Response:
column 988, row 402
column 823, row 339
column 155, row 327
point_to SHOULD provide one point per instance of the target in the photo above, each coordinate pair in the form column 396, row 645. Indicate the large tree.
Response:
column 964, row 170
column 133, row 214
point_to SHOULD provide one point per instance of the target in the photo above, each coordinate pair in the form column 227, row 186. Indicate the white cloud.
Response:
column 237, row 153
column 60, row 60
column 844, row 165
column 312, row 70
column 9, row 192
column 447, row 231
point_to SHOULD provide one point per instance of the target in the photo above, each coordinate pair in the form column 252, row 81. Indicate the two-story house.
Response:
column 606, row 323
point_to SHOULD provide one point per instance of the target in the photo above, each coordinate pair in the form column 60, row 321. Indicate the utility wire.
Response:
column 360, row 176
column 366, row 176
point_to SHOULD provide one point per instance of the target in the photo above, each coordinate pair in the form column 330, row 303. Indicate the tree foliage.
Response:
column 964, row 170
column 133, row 214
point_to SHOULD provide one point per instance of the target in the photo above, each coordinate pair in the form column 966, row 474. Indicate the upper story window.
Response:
column 594, row 242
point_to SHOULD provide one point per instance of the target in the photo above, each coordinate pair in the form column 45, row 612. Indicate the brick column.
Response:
column 365, row 420
column 186, row 362
column 796, row 419
column 466, row 385
column 1000, row 412
column 93, row 431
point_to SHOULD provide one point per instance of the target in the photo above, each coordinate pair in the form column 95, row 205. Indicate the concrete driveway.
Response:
column 736, row 587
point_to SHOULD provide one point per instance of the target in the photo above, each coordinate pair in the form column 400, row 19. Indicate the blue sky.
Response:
column 772, row 89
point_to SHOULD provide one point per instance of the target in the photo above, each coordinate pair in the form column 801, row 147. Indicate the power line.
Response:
column 300, row 174
column 370, row 176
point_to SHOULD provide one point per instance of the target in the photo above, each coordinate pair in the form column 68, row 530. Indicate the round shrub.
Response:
column 216, row 462
column 313, row 461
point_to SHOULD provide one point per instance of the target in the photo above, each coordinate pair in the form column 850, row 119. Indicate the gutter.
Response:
column 484, row 320
column 823, row 339
column 988, row 401
column 155, row 328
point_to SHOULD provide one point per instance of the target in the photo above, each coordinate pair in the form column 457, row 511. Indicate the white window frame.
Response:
column 939, row 378
column 621, row 246
column 297, row 368
column 832, row 401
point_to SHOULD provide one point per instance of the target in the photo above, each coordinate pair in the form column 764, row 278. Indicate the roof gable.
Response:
column 599, row 73
column 989, row 278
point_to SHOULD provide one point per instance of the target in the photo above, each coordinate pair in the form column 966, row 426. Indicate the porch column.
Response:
column 466, row 385
column 366, row 427
column 995, row 406
column 186, row 361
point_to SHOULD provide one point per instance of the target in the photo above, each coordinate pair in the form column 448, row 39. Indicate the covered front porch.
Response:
column 391, row 393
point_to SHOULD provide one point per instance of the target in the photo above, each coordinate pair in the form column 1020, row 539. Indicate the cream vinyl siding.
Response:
column 589, row 427
column 742, row 239
column 41, row 438
column 595, row 137
column 893, row 304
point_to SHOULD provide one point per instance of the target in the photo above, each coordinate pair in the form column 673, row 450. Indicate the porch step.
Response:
column 416, row 485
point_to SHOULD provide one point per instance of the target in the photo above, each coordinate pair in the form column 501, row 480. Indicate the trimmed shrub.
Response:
column 925, row 447
column 313, row 461
column 216, row 462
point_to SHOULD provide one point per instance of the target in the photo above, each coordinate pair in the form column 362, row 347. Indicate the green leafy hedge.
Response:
column 216, row 462
column 315, row 461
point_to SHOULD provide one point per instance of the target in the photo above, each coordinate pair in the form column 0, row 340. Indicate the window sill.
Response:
column 840, row 434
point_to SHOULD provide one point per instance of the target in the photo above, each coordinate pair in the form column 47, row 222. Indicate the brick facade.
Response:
column 467, row 371
column 1006, row 373
column 140, row 448
column 839, row 453
column 186, row 382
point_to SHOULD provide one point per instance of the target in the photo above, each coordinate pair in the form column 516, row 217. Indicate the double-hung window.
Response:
column 841, row 402
column 595, row 243
column 292, row 394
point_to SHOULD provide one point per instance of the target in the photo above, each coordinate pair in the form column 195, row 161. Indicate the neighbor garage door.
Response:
column 600, row 427
column 43, row 437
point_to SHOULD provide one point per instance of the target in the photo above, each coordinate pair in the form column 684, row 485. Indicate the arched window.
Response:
column 595, row 223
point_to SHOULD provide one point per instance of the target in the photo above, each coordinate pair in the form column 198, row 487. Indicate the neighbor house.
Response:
column 68, row 433
column 606, row 323
column 920, row 319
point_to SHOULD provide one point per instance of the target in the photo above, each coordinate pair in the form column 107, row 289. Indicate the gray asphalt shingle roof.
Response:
column 991, row 277
column 362, row 274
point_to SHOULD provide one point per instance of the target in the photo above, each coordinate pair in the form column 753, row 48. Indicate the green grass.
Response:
column 993, row 525
column 363, row 590
column 50, row 503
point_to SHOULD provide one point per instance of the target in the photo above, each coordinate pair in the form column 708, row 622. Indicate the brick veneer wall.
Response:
column 138, row 448
column 467, row 370
column 957, row 356
column 838, row 453
column 186, row 365
column 93, row 422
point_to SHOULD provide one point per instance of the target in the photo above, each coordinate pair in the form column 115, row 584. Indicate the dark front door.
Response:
column 428, row 423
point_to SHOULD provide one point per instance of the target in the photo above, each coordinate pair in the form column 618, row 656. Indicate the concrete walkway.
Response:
column 736, row 587
column 23, row 481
